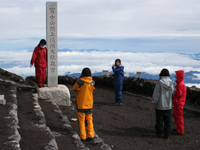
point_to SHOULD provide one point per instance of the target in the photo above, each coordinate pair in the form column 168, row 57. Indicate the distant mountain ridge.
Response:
column 193, row 56
column 189, row 76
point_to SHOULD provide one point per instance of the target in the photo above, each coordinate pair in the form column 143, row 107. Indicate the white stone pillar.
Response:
column 52, row 48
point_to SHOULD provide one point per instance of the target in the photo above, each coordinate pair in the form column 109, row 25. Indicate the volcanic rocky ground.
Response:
column 29, row 123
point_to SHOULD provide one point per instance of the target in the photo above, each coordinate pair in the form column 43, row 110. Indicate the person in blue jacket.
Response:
column 118, row 70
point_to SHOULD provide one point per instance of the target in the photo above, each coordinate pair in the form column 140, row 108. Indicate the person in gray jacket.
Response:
column 162, row 102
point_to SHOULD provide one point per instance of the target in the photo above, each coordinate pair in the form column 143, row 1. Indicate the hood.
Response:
column 180, row 76
column 86, row 79
column 166, row 82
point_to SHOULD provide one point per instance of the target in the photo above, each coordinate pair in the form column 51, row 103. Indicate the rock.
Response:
column 60, row 95
column 76, row 136
column 96, row 135
column 13, row 113
column 74, row 119
column 14, row 106
column 56, row 134
column 98, row 140
column 58, row 111
column 79, row 143
column 105, row 147
column 53, row 143
column 39, row 113
column 16, row 137
column 65, row 119
column 67, row 127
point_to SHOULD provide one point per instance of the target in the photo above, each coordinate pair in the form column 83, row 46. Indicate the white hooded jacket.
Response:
column 163, row 94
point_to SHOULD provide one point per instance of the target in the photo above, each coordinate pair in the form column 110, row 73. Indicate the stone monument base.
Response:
column 60, row 94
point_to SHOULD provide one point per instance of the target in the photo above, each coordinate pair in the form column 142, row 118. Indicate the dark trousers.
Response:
column 163, row 116
column 118, row 93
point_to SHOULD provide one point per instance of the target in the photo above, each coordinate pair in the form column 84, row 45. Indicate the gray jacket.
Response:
column 163, row 94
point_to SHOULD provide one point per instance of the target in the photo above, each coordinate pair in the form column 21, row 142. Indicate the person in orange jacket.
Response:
column 39, row 58
column 179, row 101
column 85, row 88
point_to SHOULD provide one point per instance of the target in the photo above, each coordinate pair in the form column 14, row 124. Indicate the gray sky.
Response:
column 23, row 21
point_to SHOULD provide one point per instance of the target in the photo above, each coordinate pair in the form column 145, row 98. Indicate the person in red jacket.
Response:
column 39, row 58
column 179, row 102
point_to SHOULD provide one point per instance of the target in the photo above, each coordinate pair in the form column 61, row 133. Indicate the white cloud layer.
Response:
column 190, row 85
column 97, row 61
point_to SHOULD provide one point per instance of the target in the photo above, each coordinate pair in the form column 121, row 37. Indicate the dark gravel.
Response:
column 53, row 121
column 131, row 126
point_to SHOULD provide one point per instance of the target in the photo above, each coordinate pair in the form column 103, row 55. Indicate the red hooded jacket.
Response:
column 39, row 57
column 181, row 90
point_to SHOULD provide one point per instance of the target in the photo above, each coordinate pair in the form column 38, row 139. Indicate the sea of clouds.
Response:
column 74, row 61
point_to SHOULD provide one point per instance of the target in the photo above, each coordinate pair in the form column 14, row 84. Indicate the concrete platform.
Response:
column 60, row 95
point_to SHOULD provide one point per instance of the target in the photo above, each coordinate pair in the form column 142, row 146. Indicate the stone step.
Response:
column 33, row 130
column 9, row 137
column 58, row 121
column 60, row 126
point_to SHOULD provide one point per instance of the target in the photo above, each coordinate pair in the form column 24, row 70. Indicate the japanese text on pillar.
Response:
column 52, row 48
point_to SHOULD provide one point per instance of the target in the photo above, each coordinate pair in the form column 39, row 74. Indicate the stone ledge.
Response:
column 60, row 94
column 2, row 100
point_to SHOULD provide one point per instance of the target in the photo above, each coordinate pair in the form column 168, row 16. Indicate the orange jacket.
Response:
column 85, row 88
column 39, row 57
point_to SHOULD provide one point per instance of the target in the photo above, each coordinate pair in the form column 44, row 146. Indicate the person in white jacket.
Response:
column 162, row 102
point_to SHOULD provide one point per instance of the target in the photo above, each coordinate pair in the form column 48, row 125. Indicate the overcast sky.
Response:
column 166, row 25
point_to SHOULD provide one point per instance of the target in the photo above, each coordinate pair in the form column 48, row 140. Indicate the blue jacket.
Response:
column 118, row 74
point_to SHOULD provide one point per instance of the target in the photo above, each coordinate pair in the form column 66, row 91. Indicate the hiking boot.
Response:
column 118, row 104
column 89, row 139
column 83, row 140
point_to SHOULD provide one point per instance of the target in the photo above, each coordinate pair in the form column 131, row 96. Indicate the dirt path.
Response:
column 132, row 125
column 33, row 138
column 53, row 121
